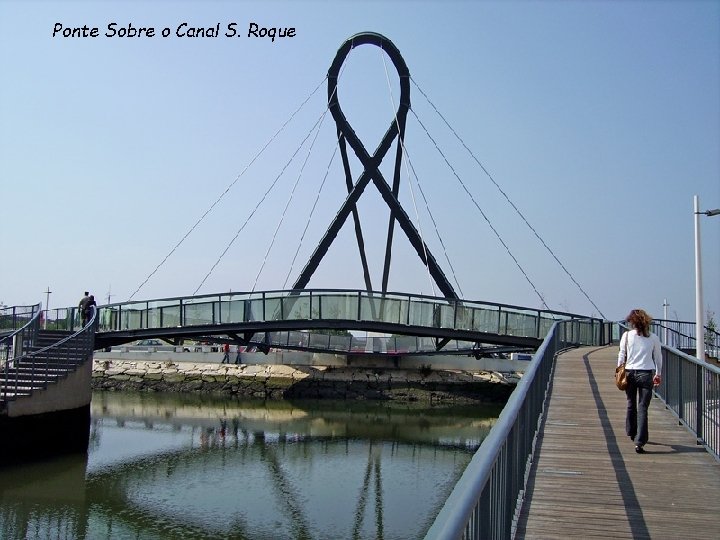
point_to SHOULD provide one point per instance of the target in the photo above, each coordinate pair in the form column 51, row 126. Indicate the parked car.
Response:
column 150, row 343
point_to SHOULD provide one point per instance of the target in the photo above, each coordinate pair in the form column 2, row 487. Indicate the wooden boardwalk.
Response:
column 588, row 482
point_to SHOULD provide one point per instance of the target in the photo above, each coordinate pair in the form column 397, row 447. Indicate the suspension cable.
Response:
column 432, row 218
column 497, row 234
column 290, row 198
column 322, row 185
column 517, row 210
column 228, row 188
column 407, row 169
column 312, row 211
column 282, row 171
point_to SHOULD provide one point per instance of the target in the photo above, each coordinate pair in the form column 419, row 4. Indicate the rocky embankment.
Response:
column 284, row 382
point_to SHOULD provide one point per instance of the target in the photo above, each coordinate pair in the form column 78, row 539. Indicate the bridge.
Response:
column 46, row 355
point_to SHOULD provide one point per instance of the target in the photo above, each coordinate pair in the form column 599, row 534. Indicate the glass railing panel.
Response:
column 422, row 313
column 296, row 338
column 284, row 338
column 274, row 309
column 199, row 314
column 110, row 318
column 340, row 343
column 232, row 311
column 394, row 310
column 403, row 344
column 425, row 344
column 358, row 344
column 464, row 317
column 370, row 309
column 384, row 309
column 152, row 318
column 319, row 341
column 278, row 339
column 130, row 319
column 376, row 344
column 162, row 303
column 255, row 310
column 591, row 332
column 520, row 324
column 447, row 315
column 545, row 326
column 486, row 320
column 296, row 307
column 170, row 316
column 335, row 306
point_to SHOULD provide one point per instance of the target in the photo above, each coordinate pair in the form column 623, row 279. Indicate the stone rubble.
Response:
column 283, row 381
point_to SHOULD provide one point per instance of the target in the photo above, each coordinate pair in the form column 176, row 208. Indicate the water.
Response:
column 166, row 467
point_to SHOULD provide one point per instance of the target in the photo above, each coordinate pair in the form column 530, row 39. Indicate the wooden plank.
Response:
column 587, row 481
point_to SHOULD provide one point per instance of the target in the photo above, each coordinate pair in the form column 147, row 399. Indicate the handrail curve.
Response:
column 32, row 371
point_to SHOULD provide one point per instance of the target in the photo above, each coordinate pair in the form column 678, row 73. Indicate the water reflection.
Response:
column 178, row 467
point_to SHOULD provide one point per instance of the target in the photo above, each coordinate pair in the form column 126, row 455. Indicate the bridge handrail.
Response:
column 326, row 305
column 14, row 317
column 483, row 504
column 23, row 336
column 70, row 351
column 690, row 389
column 299, row 292
column 683, row 335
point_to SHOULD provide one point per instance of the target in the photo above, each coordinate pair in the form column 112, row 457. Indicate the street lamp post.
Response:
column 699, row 316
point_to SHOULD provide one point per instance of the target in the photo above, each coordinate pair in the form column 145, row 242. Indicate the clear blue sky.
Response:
column 600, row 120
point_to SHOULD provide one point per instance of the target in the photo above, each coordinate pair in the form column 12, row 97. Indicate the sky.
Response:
column 596, row 122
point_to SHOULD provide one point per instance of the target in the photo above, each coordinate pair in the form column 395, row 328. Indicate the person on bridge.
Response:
column 87, row 313
column 641, row 351
column 226, row 354
column 82, row 305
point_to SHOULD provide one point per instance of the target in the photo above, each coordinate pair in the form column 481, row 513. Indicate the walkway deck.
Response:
column 588, row 482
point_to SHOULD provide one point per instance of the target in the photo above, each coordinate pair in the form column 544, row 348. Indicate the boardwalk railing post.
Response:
column 700, row 397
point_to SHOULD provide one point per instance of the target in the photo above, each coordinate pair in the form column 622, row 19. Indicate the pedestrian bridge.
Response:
column 557, row 459
column 295, row 319
column 39, row 351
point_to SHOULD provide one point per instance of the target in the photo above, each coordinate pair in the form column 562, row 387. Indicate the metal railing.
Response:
column 20, row 337
column 690, row 389
column 484, row 502
column 12, row 318
column 352, row 344
column 682, row 335
column 329, row 305
column 34, row 370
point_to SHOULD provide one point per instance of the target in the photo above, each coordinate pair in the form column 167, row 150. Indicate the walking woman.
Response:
column 641, row 351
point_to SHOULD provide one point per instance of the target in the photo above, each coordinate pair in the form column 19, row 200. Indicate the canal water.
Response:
column 172, row 466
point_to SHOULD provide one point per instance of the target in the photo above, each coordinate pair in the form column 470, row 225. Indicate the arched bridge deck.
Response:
column 274, row 314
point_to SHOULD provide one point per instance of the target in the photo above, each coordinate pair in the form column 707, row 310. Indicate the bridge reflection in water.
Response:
column 184, row 467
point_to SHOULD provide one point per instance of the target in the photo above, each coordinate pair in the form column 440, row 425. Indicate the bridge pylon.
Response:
column 371, row 173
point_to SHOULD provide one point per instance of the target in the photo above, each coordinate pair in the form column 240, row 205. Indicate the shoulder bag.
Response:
column 621, row 373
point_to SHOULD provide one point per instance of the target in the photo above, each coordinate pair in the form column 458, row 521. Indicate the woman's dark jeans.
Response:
column 639, row 393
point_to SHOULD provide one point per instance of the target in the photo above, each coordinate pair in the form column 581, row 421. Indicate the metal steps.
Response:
column 22, row 377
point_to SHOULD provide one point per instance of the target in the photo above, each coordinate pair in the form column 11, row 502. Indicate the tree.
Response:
column 711, row 333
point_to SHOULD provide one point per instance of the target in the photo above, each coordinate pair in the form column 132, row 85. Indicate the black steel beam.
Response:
column 371, row 167
column 108, row 339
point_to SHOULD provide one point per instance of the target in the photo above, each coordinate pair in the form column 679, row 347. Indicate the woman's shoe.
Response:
column 639, row 449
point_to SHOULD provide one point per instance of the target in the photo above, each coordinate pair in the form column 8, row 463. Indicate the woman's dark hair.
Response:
column 640, row 321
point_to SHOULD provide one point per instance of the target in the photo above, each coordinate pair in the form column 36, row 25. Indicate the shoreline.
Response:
column 277, row 382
